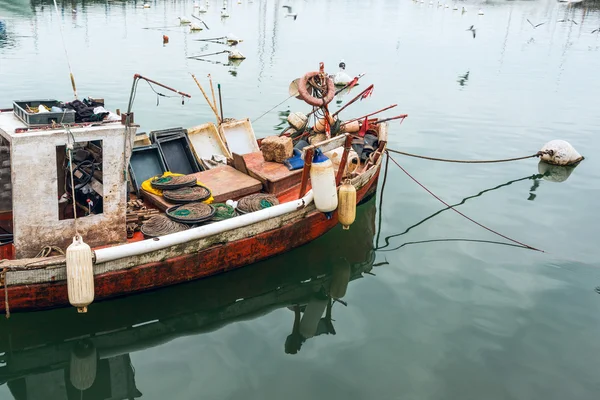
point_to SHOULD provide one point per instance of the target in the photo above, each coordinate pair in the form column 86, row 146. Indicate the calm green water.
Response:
column 438, row 314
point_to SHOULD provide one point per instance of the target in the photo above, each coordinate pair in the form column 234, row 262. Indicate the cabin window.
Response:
column 87, row 176
column 5, row 193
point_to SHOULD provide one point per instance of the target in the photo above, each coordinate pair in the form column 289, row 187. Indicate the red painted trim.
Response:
column 214, row 260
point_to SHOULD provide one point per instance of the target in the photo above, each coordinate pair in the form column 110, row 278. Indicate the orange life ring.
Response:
column 310, row 99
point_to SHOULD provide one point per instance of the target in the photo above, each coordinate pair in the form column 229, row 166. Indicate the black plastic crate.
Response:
column 37, row 119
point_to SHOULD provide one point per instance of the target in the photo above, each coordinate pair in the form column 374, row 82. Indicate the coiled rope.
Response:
column 223, row 211
column 160, row 225
column 460, row 213
column 538, row 154
column 256, row 202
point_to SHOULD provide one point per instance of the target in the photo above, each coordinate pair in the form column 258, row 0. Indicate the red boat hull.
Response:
column 188, row 267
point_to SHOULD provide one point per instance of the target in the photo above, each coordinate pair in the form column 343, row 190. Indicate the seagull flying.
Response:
column 567, row 20
column 472, row 29
column 535, row 26
column 289, row 12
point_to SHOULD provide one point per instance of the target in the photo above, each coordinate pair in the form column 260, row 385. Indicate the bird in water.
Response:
column 464, row 10
column 535, row 25
column 289, row 12
column 342, row 78
column 184, row 21
column 480, row 12
column 567, row 20
column 472, row 29
column 462, row 79
column 224, row 13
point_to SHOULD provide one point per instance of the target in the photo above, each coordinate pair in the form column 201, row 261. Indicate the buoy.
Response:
column 320, row 124
column 80, row 274
column 339, row 280
column 165, row 39
column 297, row 120
column 347, row 204
column 83, row 365
column 560, row 152
column 351, row 127
column 236, row 55
column 322, row 178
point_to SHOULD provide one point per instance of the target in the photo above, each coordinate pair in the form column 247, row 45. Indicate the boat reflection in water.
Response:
column 62, row 354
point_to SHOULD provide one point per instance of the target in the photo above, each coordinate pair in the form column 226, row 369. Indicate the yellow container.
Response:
column 347, row 204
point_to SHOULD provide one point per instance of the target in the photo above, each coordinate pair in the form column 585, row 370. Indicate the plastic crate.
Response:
column 37, row 119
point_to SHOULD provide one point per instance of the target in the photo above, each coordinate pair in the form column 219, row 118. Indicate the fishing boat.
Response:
column 89, row 183
column 92, row 358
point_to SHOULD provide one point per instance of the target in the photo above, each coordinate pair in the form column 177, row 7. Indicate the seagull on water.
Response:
column 184, row 21
column 289, row 12
column 567, row 20
column 535, row 25
column 472, row 29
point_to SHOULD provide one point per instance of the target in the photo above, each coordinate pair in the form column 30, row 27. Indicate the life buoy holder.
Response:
column 303, row 88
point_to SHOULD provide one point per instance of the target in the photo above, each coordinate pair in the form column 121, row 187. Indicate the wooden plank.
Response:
column 239, row 163
column 275, row 177
column 327, row 145
column 225, row 182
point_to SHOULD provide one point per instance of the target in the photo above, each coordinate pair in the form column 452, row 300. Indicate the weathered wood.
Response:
column 239, row 163
column 342, row 167
column 306, row 172
column 326, row 145
column 275, row 177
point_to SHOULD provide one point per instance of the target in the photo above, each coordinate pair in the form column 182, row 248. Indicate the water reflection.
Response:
column 552, row 173
column 87, row 356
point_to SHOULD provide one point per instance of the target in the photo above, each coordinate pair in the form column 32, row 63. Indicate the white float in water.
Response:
column 560, row 152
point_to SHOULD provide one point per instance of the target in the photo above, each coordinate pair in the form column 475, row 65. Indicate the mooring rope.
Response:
column 458, row 212
column 70, row 146
column 538, row 154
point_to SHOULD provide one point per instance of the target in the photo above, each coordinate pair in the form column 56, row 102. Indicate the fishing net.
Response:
column 172, row 182
column 187, row 194
column 223, row 211
column 255, row 202
column 160, row 225
column 191, row 213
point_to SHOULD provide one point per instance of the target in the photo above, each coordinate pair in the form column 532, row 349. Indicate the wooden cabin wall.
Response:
column 5, row 178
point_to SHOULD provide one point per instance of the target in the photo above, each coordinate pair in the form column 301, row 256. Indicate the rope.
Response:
column 70, row 151
column 47, row 250
column 62, row 36
column 160, row 225
column 256, row 202
column 538, row 154
column 191, row 213
column 187, row 194
column 266, row 112
column 460, row 213
column 223, row 211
